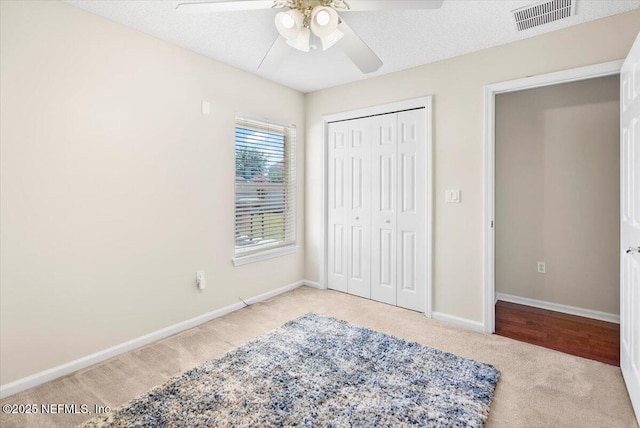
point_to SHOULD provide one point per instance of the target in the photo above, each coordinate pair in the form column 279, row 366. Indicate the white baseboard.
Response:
column 460, row 322
column 72, row 366
column 312, row 284
column 566, row 309
column 270, row 294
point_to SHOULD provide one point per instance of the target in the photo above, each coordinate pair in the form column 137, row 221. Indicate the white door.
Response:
column 338, row 208
column 412, row 208
column 630, row 224
column 383, row 208
column 359, row 282
column 349, row 200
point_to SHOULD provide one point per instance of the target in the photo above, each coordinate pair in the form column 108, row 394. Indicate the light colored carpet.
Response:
column 537, row 388
column 318, row 371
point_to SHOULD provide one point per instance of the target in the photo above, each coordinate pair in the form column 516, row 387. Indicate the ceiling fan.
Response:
column 303, row 23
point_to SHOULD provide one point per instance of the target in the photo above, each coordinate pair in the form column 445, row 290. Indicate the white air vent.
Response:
column 543, row 12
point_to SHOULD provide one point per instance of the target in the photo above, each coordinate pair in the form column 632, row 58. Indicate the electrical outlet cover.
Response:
column 200, row 279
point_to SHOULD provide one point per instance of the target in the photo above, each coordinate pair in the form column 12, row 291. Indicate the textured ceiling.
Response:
column 402, row 39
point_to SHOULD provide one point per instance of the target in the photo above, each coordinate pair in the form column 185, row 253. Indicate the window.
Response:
column 265, row 188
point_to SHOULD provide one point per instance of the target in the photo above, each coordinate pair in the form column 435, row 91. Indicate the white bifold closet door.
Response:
column 350, row 207
column 377, row 243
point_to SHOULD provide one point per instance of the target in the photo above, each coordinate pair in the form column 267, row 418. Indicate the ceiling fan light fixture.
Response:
column 289, row 23
column 302, row 41
column 324, row 21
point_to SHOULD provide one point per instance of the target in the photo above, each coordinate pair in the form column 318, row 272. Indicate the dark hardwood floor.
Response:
column 584, row 337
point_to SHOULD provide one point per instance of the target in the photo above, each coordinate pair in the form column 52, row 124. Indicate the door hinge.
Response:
column 492, row 224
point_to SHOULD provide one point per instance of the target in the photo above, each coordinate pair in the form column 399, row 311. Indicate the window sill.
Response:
column 264, row 255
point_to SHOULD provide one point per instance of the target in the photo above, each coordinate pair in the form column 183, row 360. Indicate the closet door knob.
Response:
column 387, row 221
column 357, row 218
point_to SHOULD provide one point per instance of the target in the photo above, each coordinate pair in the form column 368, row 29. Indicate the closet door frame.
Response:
column 425, row 103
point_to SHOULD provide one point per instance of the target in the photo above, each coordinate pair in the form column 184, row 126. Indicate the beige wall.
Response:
column 115, row 188
column 457, row 87
column 558, row 193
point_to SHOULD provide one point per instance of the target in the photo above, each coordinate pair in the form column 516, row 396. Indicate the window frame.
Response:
column 288, row 187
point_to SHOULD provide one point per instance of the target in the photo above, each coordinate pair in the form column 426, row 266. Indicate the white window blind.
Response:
column 265, row 186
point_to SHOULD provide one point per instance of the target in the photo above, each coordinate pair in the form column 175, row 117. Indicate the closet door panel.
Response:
column 359, row 160
column 338, row 201
column 383, row 208
column 411, row 218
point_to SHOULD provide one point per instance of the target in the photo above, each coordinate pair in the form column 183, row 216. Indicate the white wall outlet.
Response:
column 542, row 267
column 452, row 196
column 200, row 279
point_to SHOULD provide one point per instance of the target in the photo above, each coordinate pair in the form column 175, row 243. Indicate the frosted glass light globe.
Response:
column 323, row 18
column 287, row 21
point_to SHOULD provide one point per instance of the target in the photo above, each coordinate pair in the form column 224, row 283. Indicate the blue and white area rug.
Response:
column 319, row 371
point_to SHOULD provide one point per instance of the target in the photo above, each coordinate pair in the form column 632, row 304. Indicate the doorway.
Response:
column 539, row 266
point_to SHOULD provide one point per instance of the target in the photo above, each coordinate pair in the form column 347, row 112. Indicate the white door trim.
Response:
column 422, row 102
column 490, row 92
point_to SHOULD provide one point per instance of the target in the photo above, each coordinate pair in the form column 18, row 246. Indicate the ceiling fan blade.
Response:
column 223, row 6
column 361, row 54
column 360, row 5
column 274, row 56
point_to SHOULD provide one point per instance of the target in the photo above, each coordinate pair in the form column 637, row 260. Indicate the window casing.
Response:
column 265, row 188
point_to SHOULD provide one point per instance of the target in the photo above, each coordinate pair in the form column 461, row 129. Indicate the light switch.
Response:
column 206, row 108
column 452, row 196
